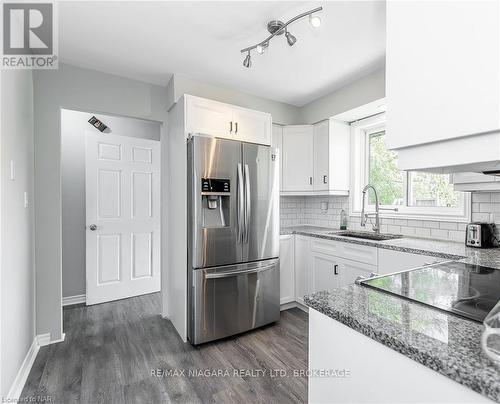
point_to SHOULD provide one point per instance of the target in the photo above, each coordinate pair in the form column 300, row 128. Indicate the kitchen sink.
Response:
column 367, row 235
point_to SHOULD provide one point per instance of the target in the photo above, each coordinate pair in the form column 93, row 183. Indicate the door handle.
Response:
column 231, row 127
column 310, row 180
column 236, row 130
column 248, row 208
column 93, row 227
column 325, row 179
column 336, row 269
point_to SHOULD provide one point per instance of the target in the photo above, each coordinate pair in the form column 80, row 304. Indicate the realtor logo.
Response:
column 29, row 36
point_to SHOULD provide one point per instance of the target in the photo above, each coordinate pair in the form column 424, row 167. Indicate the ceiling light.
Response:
column 290, row 38
column 314, row 20
column 262, row 47
column 247, row 62
column 276, row 28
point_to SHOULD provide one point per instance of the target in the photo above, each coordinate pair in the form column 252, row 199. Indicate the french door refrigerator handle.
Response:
column 237, row 273
column 241, row 205
column 247, row 203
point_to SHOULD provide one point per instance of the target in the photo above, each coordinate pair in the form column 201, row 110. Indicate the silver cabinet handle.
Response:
column 325, row 179
column 248, row 208
column 240, row 201
column 93, row 227
column 236, row 130
column 231, row 127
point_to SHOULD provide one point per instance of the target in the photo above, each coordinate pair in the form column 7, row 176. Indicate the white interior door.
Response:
column 123, row 217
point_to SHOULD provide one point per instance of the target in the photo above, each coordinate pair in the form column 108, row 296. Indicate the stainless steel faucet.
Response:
column 365, row 216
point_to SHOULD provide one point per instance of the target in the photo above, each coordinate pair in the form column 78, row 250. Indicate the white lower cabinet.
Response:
column 351, row 270
column 394, row 261
column 287, row 269
column 325, row 272
column 302, row 267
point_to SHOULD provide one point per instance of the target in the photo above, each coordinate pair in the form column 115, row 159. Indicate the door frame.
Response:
column 78, row 299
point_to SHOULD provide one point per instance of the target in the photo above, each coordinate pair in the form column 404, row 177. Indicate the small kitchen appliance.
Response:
column 480, row 235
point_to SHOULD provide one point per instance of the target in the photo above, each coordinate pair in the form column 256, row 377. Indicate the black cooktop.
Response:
column 466, row 290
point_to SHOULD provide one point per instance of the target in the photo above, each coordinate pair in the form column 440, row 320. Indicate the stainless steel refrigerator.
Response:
column 233, row 237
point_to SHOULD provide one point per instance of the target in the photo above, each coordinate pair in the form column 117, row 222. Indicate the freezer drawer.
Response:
column 232, row 299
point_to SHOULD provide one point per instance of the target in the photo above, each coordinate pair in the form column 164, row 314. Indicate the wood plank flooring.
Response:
column 111, row 351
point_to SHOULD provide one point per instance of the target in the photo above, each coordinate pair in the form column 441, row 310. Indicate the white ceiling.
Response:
column 202, row 40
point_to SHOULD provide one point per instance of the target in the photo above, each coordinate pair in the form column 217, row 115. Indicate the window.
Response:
column 414, row 194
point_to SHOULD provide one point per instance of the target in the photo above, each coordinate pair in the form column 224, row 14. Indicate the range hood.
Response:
column 479, row 153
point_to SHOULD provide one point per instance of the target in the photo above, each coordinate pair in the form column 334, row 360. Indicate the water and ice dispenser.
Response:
column 215, row 194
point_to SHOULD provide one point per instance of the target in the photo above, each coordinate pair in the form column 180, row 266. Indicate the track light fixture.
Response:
column 290, row 38
column 247, row 62
column 278, row 28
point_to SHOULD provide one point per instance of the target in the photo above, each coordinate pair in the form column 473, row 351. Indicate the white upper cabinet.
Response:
column 297, row 157
column 442, row 84
column 331, row 157
column 208, row 117
column 277, row 142
column 321, row 156
column 227, row 121
column 316, row 159
column 251, row 126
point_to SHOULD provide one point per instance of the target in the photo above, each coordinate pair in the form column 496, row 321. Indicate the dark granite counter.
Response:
column 445, row 343
column 437, row 248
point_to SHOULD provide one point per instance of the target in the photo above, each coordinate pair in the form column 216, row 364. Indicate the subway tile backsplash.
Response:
column 306, row 210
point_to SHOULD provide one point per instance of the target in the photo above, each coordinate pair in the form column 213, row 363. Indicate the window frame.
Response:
column 360, row 135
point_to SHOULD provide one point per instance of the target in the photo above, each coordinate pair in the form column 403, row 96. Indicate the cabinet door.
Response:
column 326, row 273
column 208, row 117
column 287, row 273
column 302, row 268
column 251, row 126
column 321, row 156
column 298, row 158
column 350, row 270
column 277, row 142
column 441, row 70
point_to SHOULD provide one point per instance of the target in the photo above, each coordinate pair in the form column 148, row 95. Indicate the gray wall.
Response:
column 73, row 127
column 78, row 89
column 282, row 113
column 367, row 89
column 17, row 258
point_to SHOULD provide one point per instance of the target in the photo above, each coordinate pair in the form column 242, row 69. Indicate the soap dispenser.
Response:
column 343, row 220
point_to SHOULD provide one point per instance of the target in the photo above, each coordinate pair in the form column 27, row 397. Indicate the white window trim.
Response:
column 359, row 177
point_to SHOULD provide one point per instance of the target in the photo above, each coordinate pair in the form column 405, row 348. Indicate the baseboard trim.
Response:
column 288, row 305
column 22, row 375
column 71, row 300
column 45, row 339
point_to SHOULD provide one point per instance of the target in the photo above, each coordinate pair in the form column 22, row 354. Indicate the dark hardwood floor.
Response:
column 112, row 350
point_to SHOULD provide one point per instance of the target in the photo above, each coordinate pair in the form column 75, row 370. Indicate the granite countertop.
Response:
column 445, row 343
column 438, row 248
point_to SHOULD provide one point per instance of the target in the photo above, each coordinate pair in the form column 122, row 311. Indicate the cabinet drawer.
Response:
column 360, row 253
column 348, row 251
column 328, row 247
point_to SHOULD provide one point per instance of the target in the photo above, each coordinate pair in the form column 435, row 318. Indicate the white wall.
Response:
column 78, row 89
column 73, row 127
column 17, row 259
column 367, row 89
column 282, row 113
